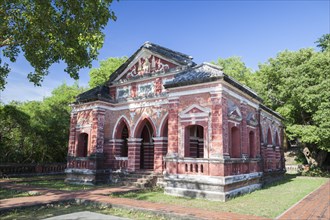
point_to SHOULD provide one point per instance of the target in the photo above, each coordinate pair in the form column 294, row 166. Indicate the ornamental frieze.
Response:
column 148, row 64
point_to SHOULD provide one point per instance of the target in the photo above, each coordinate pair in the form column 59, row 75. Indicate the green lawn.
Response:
column 8, row 193
column 57, row 184
column 48, row 211
column 269, row 202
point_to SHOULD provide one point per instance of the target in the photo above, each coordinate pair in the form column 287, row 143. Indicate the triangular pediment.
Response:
column 147, row 63
column 234, row 111
column 251, row 119
column 195, row 111
column 149, row 60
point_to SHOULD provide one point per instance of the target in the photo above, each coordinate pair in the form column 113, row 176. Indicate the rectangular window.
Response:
column 123, row 92
column 145, row 89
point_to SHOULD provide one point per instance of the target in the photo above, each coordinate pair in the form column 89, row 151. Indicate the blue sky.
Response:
column 206, row 30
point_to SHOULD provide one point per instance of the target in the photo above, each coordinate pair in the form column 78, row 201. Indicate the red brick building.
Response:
column 208, row 134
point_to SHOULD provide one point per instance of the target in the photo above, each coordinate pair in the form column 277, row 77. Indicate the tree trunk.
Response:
column 314, row 156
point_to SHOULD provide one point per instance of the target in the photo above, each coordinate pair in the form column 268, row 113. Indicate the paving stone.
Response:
column 86, row 215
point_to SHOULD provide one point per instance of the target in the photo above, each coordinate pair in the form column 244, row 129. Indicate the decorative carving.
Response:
column 233, row 111
column 84, row 118
column 132, row 114
column 147, row 64
column 195, row 111
column 251, row 119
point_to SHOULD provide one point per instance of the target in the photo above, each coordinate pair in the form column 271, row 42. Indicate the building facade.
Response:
column 209, row 135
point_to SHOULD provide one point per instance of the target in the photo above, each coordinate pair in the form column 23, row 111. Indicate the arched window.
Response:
column 194, row 141
column 277, row 140
column 252, row 144
column 235, row 142
column 269, row 137
column 82, row 150
column 124, row 147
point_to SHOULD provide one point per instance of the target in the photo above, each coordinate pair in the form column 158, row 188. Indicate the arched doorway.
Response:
column 122, row 133
column 82, row 150
column 147, row 146
column 194, row 141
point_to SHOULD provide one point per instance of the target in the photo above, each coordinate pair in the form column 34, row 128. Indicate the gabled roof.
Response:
column 204, row 72
column 207, row 72
column 178, row 57
column 97, row 93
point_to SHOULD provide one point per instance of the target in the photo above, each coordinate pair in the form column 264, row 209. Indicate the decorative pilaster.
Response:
column 160, row 150
column 134, row 149
column 97, row 139
column 225, row 132
column 173, row 127
column 244, row 134
column 216, row 148
column 72, row 137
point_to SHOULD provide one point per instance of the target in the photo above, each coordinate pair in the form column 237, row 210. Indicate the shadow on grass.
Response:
column 286, row 178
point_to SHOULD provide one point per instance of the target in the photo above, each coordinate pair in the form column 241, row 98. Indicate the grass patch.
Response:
column 9, row 193
column 268, row 202
column 35, row 178
column 52, row 210
column 58, row 185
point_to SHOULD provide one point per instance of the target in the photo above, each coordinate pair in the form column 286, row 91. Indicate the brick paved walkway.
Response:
column 316, row 205
column 313, row 206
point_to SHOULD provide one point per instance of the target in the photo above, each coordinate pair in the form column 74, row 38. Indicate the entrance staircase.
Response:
column 141, row 179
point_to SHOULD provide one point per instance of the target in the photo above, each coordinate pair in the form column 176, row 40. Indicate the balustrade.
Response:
column 121, row 163
column 17, row 169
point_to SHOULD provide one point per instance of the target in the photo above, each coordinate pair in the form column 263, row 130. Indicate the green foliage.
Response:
column 296, row 84
column 50, row 31
column 99, row 76
column 236, row 68
column 316, row 172
column 9, row 193
column 324, row 42
column 37, row 131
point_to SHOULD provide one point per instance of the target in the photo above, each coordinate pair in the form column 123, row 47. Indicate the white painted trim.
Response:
column 83, row 126
column 160, row 139
column 215, row 87
column 134, row 140
column 151, row 78
column 140, row 119
column 119, row 119
column 115, row 141
column 194, row 120
column 201, row 108
column 162, row 123
column 131, row 105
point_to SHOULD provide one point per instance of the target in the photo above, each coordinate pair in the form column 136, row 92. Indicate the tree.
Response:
column 37, row 131
column 13, row 131
column 236, row 68
column 324, row 42
column 50, row 31
column 296, row 84
column 99, row 76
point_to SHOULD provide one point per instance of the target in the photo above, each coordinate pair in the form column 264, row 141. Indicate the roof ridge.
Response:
column 148, row 43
